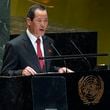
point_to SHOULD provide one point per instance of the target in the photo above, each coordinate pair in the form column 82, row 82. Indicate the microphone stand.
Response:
column 59, row 55
column 80, row 52
column 77, row 56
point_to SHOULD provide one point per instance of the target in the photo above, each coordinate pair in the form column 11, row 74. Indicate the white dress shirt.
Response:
column 33, row 40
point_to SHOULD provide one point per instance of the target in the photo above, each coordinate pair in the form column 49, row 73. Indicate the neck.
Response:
column 37, row 36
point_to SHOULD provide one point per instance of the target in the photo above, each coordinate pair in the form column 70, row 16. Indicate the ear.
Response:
column 28, row 21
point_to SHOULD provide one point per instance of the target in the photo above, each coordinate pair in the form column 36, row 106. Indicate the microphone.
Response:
column 80, row 52
column 52, row 45
column 55, row 49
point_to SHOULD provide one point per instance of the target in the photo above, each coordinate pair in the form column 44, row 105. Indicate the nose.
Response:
column 42, row 23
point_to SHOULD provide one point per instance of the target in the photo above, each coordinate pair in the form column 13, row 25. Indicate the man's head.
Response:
column 37, row 20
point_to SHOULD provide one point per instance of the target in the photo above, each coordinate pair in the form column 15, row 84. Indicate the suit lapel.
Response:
column 31, row 53
column 47, row 52
column 47, row 48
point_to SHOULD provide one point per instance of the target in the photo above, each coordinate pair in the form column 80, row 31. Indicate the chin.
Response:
column 41, row 34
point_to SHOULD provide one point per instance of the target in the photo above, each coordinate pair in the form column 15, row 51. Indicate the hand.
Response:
column 28, row 71
column 65, row 70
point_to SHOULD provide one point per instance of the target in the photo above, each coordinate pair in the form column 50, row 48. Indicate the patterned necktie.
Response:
column 39, row 53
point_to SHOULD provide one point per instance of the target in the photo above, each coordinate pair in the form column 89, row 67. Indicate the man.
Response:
column 22, row 54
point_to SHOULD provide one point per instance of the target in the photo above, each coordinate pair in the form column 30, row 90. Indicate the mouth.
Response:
column 42, row 30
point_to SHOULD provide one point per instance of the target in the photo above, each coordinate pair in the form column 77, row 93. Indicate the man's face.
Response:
column 39, row 23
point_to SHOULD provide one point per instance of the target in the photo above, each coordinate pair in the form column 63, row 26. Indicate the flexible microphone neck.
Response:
column 55, row 49
column 80, row 52
column 59, row 54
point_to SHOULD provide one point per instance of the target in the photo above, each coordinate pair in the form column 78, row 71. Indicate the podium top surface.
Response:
column 59, row 74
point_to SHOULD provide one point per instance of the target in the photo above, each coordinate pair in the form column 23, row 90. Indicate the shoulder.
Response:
column 18, row 40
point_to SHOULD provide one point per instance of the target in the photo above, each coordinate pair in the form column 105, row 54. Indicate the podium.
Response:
column 49, row 93
column 86, row 90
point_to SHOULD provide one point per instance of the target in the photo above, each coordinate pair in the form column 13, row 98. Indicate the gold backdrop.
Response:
column 75, row 15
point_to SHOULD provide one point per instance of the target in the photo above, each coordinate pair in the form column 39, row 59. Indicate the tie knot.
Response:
column 38, row 41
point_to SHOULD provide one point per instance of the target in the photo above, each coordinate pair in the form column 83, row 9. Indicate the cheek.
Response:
column 46, row 24
column 36, row 27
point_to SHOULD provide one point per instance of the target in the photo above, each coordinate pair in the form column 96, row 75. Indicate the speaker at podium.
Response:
column 49, row 93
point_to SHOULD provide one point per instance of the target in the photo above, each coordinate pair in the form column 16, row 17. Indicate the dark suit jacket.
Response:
column 20, row 53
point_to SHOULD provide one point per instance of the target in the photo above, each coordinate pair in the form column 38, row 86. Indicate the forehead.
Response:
column 40, row 13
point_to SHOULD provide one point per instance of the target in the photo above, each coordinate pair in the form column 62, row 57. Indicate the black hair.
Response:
column 31, row 11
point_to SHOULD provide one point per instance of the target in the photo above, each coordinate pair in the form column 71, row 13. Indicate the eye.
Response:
column 46, row 20
column 39, row 20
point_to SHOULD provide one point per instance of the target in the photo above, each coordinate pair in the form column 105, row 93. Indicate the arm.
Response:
column 10, row 61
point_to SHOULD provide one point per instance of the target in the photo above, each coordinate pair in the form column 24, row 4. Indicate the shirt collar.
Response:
column 32, row 37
